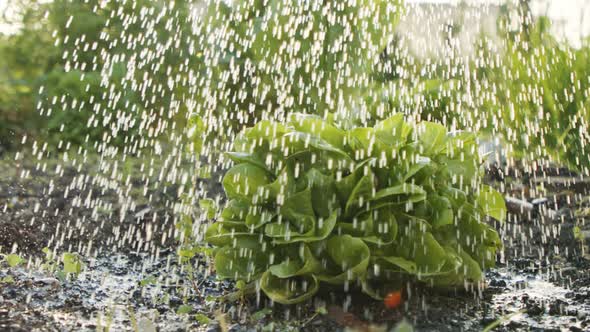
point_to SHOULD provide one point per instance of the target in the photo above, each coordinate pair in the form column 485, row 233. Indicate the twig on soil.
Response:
column 518, row 206
column 526, row 209
column 502, row 319
column 239, row 294
column 221, row 319
column 346, row 319
column 578, row 184
column 132, row 318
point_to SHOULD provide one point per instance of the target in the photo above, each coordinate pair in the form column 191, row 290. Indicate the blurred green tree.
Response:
column 542, row 91
column 266, row 59
column 105, row 72
column 24, row 58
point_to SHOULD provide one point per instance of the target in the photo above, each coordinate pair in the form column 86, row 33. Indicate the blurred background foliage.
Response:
column 280, row 56
column 75, row 66
column 121, row 73
column 528, row 88
column 543, row 95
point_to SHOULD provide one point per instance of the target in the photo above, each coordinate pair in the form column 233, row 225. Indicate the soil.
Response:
column 123, row 228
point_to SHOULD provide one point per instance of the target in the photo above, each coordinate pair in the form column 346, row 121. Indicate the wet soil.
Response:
column 123, row 228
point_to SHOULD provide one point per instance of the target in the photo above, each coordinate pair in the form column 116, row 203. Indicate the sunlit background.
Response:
column 120, row 121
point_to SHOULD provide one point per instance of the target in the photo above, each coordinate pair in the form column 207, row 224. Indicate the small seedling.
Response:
column 72, row 263
column 7, row 280
column 202, row 319
column 261, row 314
column 151, row 280
column 12, row 260
column 184, row 309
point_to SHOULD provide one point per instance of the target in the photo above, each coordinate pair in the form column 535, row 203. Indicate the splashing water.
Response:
column 129, row 185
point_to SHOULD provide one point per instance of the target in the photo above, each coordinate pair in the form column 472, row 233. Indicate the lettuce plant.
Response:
column 311, row 203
